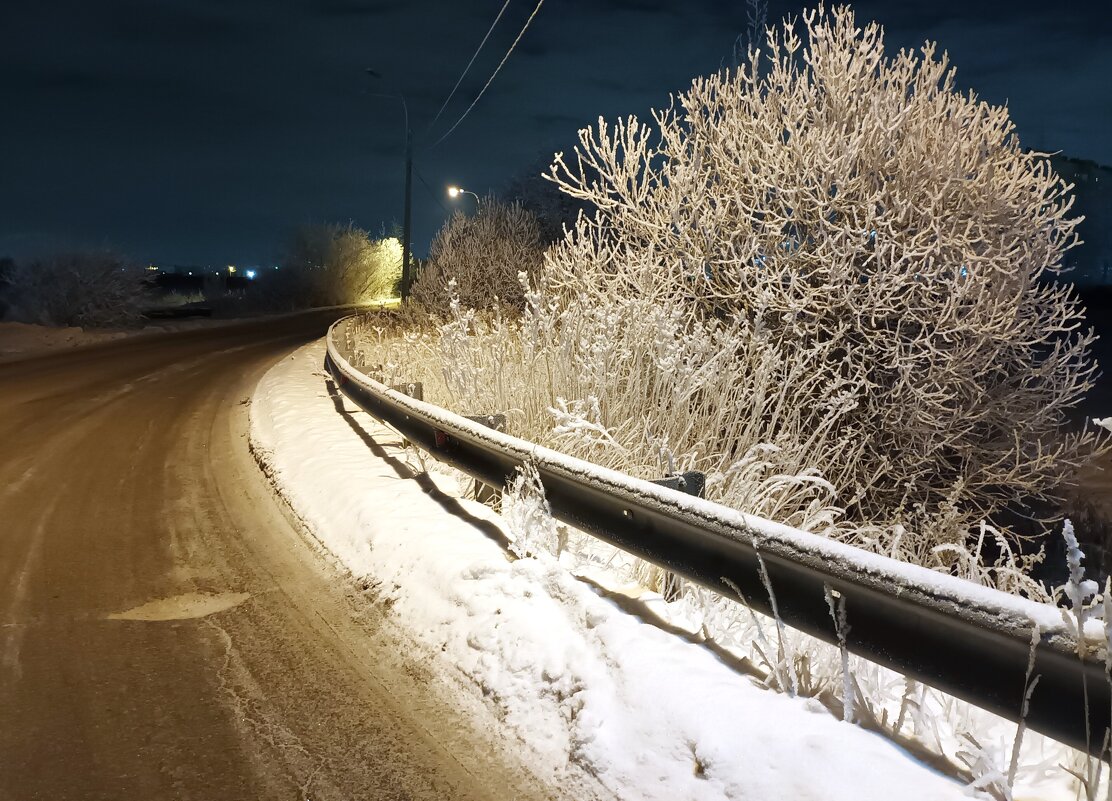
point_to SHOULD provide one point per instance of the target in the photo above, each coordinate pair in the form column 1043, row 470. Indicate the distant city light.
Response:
column 231, row 269
column 250, row 273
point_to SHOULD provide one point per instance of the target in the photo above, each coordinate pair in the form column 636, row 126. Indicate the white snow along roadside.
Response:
column 575, row 678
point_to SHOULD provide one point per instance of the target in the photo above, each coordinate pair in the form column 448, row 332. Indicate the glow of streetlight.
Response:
column 456, row 191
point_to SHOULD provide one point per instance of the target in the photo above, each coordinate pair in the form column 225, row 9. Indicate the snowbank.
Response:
column 22, row 339
column 565, row 670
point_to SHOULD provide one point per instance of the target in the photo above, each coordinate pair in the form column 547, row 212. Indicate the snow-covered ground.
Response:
column 21, row 339
column 581, row 683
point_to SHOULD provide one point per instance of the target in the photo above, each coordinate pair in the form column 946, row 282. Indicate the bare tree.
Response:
column 555, row 210
column 757, row 17
column 842, row 202
column 483, row 254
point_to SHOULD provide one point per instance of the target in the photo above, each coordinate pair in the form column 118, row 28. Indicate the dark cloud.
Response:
column 564, row 122
column 178, row 25
column 359, row 8
column 202, row 130
column 535, row 49
column 51, row 78
column 663, row 7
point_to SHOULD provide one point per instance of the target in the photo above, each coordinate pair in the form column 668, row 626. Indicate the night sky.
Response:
column 203, row 131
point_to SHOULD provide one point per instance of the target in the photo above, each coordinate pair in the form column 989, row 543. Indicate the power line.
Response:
column 432, row 194
column 493, row 75
column 468, row 67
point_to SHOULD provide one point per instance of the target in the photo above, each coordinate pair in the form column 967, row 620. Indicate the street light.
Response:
column 407, row 218
column 455, row 191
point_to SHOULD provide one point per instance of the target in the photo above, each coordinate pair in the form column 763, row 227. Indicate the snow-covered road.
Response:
column 166, row 631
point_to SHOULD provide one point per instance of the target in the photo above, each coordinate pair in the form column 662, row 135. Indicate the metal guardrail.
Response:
column 966, row 640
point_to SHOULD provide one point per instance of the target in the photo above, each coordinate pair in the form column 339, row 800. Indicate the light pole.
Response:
column 455, row 191
column 407, row 216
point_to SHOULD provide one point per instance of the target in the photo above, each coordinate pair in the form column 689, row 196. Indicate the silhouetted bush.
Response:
column 555, row 210
column 7, row 266
column 88, row 289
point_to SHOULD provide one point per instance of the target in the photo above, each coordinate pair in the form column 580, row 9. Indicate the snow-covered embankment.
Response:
column 575, row 678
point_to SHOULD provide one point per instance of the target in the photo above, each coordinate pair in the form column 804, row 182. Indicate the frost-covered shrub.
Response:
column 93, row 289
column 483, row 255
column 885, row 236
column 633, row 387
column 333, row 265
column 720, row 313
column 528, row 516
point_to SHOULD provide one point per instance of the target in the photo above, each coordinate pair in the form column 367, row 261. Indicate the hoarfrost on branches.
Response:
column 815, row 279
column 580, row 423
column 483, row 255
column 1078, row 590
column 526, row 512
column 854, row 212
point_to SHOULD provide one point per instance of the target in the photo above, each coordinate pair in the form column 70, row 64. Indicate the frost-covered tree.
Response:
column 844, row 202
column 332, row 264
column 483, row 254
column 84, row 288
column 757, row 18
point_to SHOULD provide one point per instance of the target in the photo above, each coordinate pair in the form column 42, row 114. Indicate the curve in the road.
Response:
column 166, row 630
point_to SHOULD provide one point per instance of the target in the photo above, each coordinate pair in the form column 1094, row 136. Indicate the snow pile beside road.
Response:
column 25, row 340
column 563, row 669
column 19, row 339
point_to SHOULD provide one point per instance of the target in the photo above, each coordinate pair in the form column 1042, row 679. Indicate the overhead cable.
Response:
column 463, row 74
column 493, row 75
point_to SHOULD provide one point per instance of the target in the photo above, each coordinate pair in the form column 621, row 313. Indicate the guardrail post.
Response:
column 414, row 389
column 482, row 492
column 692, row 483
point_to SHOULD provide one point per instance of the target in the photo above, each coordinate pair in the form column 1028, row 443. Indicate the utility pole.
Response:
column 407, row 219
column 407, row 214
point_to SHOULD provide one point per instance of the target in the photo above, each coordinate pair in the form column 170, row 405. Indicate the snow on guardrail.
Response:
column 971, row 641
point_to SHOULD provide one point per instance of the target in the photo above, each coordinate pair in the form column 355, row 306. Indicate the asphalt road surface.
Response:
column 166, row 629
